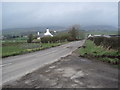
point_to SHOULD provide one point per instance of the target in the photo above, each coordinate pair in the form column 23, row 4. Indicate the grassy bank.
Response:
column 12, row 49
column 103, row 54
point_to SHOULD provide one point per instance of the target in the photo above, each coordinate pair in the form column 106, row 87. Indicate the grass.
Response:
column 14, row 40
column 15, row 48
column 91, row 50
column 102, row 32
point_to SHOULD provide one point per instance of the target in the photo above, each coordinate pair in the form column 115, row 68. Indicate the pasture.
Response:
column 20, row 46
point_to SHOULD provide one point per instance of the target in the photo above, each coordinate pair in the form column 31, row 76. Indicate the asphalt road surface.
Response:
column 17, row 66
column 71, row 71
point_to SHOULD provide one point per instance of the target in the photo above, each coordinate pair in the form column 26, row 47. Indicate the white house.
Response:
column 90, row 35
column 97, row 35
column 48, row 33
column 107, row 36
column 38, row 35
column 54, row 31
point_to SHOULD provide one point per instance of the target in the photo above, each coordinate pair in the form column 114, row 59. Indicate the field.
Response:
column 101, row 32
column 20, row 46
column 99, row 52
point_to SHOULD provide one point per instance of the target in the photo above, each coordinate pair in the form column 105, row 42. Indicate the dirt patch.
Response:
column 70, row 72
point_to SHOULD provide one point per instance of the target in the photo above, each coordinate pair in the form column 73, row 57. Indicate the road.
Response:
column 71, row 71
column 17, row 66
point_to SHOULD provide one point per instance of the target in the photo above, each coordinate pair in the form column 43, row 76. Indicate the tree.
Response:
column 30, row 38
column 46, row 39
column 74, row 32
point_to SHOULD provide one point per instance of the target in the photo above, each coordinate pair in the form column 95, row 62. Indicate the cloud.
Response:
column 21, row 14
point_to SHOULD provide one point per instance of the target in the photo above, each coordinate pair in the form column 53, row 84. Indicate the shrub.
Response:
column 98, row 40
column 57, row 38
column 110, row 43
column 36, row 41
column 30, row 38
column 47, row 39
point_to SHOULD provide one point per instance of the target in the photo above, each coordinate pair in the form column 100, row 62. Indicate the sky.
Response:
column 35, row 14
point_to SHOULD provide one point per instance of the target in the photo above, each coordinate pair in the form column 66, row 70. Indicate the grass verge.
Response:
column 23, row 48
column 92, row 51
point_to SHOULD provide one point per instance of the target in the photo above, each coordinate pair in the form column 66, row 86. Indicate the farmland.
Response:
column 20, row 46
column 105, row 32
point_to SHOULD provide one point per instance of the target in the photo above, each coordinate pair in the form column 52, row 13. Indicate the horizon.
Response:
column 65, row 27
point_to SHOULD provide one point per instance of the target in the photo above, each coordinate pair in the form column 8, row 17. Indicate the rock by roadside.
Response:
column 70, row 72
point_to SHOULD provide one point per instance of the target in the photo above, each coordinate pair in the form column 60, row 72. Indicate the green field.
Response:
column 16, row 47
column 91, row 50
column 102, row 32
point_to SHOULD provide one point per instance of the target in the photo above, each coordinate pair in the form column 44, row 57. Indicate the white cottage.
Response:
column 90, row 35
column 48, row 33
column 38, row 35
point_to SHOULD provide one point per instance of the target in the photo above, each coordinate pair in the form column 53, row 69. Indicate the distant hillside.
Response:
column 99, row 27
column 26, row 31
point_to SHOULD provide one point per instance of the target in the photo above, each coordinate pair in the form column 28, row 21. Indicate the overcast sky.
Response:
column 21, row 14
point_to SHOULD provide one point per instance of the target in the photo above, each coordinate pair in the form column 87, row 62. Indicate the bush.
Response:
column 47, row 39
column 70, row 39
column 30, row 38
column 36, row 41
column 98, row 40
column 63, row 37
column 110, row 43
column 58, row 38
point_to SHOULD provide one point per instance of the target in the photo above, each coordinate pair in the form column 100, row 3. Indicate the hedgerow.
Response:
column 109, row 43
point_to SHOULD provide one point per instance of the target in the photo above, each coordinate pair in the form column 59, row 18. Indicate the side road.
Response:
column 71, row 71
